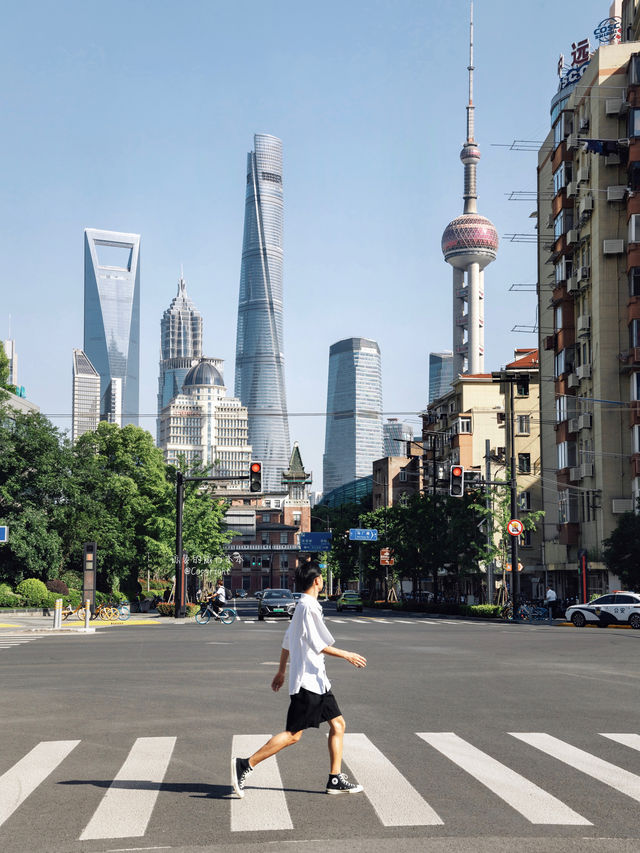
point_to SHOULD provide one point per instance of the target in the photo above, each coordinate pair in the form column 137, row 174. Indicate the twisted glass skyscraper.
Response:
column 259, row 378
column 353, row 437
column 112, row 315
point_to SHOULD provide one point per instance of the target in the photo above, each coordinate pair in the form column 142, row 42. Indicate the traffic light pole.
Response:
column 180, row 608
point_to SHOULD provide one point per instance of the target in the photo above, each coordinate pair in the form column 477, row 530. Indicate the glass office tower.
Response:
column 259, row 378
column 396, row 435
column 112, row 314
column 354, row 435
column 440, row 374
column 180, row 346
column 85, row 405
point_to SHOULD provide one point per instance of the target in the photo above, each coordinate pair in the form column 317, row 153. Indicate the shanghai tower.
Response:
column 259, row 377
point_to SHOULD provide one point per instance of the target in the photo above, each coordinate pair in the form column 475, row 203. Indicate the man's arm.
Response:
column 352, row 657
column 278, row 678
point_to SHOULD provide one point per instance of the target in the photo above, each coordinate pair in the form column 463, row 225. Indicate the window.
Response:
column 525, row 539
column 524, row 422
column 524, row 500
column 557, row 318
column 284, row 538
column 634, row 70
column 634, row 333
column 266, row 516
column 562, row 128
column 403, row 475
column 264, row 538
column 634, row 228
column 635, row 386
column 296, row 518
column 500, row 418
column 566, row 454
column 633, row 176
column 634, row 281
column 561, row 409
column 567, row 507
column 562, row 176
column 524, row 463
column 464, row 425
column 558, row 364
column 284, row 561
column 634, row 123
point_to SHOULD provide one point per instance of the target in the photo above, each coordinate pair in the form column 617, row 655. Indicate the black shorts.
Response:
column 308, row 710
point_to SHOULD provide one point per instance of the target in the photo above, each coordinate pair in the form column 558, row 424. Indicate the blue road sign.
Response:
column 316, row 541
column 363, row 534
column 4, row 534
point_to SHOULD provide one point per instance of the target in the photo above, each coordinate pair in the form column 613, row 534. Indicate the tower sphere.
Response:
column 470, row 153
column 470, row 239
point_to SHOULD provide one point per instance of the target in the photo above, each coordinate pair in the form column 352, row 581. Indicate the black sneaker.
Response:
column 340, row 784
column 240, row 769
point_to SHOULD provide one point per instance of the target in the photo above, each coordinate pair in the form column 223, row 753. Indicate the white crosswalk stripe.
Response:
column 264, row 806
column 531, row 801
column 396, row 802
column 623, row 781
column 25, row 776
column 125, row 810
column 9, row 641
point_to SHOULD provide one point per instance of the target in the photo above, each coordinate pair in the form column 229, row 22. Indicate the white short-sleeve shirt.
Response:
column 306, row 637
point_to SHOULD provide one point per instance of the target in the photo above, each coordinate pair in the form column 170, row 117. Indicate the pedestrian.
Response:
column 550, row 600
column 306, row 642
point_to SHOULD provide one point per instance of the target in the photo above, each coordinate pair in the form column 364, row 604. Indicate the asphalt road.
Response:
column 472, row 736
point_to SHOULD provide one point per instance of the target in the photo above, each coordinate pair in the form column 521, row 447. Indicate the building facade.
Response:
column 469, row 243
column 85, row 403
column 396, row 434
column 180, row 345
column 589, row 307
column 205, row 427
column 354, row 433
column 266, row 551
column 259, row 377
column 456, row 430
column 440, row 374
column 112, row 313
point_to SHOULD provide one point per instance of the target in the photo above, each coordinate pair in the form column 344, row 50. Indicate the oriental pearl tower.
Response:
column 469, row 243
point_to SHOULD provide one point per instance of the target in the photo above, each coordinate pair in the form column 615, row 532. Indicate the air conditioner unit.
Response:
column 620, row 505
column 584, row 123
column 587, row 469
column 583, row 174
column 586, row 205
column 584, row 371
column 616, row 193
column 575, row 473
column 572, row 381
column 612, row 247
column 584, row 323
column 572, row 284
column 572, row 236
column 584, row 273
column 550, row 220
column 572, row 189
column 613, row 106
column 550, row 342
column 612, row 160
column 585, row 420
column 573, row 425
column 572, row 141
column 626, row 142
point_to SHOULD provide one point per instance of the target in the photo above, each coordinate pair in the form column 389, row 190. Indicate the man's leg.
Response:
column 337, row 727
column 274, row 745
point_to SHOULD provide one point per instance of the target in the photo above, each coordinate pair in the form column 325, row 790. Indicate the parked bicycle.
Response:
column 532, row 613
column 227, row 615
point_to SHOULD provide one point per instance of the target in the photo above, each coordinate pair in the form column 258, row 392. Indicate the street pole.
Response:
column 515, row 577
column 487, row 476
column 179, row 601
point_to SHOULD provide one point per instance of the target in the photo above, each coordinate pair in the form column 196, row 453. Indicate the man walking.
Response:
column 306, row 642
column 550, row 600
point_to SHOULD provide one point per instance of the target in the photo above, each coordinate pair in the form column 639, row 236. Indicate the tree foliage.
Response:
column 621, row 551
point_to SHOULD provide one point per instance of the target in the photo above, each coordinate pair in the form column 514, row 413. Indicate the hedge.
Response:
column 165, row 609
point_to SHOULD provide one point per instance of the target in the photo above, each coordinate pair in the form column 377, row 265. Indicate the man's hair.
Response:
column 306, row 574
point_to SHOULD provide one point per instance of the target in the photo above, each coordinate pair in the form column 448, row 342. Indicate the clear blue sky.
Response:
column 137, row 116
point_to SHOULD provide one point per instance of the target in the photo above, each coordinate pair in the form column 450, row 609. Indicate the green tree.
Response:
column 34, row 475
column 621, row 550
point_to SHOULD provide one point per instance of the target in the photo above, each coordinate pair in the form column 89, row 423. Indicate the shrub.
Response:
column 35, row 593
column 165, row 609
column 57, row 586
column 486, row 611
column 72, row 579
column 10, row 599
column 74, row 598
column 5, row 589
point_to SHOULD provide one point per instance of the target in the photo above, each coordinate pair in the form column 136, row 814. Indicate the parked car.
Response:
column 349, row 600
column 297, row 595
column 241, row 593
column 616, row 608
column 276, row 602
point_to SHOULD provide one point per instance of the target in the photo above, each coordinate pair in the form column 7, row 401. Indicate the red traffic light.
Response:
column 255, row 477
column 456, row 471
column 256, row 467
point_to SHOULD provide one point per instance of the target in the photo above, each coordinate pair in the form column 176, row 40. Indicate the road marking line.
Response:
column 126, row 808
column 264, row 806
column 25, row 776
column 603, row 771
column 338, row 621
column 395, row 800
column 536, row 805
column 630, row 740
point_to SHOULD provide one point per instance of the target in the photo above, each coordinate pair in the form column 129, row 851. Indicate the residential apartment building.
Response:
column 396, row 478
column 457, row 428
column 589, row 308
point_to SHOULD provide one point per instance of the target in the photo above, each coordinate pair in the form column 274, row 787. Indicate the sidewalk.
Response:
column 34, row 621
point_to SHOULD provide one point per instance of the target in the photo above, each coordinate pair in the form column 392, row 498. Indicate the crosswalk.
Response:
column 126, row 807
column 10, row 641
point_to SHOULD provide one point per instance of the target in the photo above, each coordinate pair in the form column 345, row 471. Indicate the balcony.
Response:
column 569, row 534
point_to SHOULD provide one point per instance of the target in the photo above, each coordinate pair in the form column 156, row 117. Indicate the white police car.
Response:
column 616, row 608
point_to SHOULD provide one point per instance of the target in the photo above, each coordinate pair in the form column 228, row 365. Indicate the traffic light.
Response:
column 456, row 481
column 255, row 477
